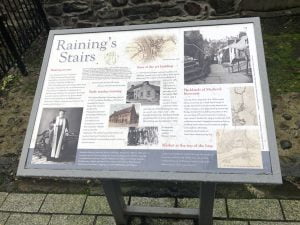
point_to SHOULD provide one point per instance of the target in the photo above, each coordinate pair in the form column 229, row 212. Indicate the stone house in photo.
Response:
column 235, row 55
column 236, row 49
column 126, row 116
column 144, row 93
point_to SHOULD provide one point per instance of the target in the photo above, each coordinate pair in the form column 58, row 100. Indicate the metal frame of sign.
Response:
column 274, row 178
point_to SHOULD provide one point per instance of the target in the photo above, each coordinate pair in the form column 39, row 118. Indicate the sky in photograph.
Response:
column 221, row 32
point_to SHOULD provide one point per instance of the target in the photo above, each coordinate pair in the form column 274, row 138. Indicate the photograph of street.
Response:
column 217, row 55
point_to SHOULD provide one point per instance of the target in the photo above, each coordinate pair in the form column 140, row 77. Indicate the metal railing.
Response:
column 21, row 22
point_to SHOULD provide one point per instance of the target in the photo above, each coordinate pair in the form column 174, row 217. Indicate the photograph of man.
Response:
column 57, row 137
column 59, row 132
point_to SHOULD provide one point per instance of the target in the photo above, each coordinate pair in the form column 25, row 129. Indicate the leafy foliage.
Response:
column 7, row 82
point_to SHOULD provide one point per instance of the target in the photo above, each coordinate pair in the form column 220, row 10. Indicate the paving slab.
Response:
column 3, row 217
column 105, row 220
column 157, row 202
column 96, row 205
column 17, row 202
column 63, row 203
column 72, row 220
column 135, row 221
column 28, row 219
column 273, row 223
column 2, row 197
column 226, row 222
column 138, row 221
column 264, row 209
column 219, row 205
column 168, row 222
column 291, row 209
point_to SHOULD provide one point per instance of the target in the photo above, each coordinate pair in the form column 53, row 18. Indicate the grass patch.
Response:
column 8, row 81
column 282, row 54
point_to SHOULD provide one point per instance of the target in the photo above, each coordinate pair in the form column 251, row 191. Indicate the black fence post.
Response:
column 12, row 48
column 42, row 13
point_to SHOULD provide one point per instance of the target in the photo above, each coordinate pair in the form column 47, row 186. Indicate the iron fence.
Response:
column 21, row 22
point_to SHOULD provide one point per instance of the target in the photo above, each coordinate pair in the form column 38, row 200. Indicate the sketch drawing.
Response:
column 238, row 148
column 243, row 107
column 150, row 48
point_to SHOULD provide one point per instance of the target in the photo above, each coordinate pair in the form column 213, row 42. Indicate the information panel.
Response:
column 172, row 99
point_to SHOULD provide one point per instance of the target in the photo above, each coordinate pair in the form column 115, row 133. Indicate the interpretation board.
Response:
column 178, row 101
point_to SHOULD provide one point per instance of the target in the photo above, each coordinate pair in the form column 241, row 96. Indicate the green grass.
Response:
column 8, row 81
column 282, row 54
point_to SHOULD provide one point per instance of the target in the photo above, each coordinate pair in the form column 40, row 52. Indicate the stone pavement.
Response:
column 70, row 209
column 220, row 75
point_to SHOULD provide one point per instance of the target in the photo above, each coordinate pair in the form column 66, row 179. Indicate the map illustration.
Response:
column 151, row 47
column 243, row 106
column 238, row 148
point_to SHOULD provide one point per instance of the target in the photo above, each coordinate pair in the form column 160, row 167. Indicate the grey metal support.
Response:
column 121, row 212
column 207, row 197
column 165, row 212
column 115, row 200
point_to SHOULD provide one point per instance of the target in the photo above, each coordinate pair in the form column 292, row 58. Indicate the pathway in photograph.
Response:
column 220, row 75
column 80, row 209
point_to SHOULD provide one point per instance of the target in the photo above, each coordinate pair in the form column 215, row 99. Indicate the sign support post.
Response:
column 207, row 197
column 196, row 128
column 115, row 200
column 121, row 212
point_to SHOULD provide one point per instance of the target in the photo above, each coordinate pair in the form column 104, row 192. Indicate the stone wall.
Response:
column 91, row 13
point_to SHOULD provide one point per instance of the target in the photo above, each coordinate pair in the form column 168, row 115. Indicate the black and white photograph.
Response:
column 57, row 136
column 145, row 92
column 124, row 115
column 142, row 136
column 217, row 55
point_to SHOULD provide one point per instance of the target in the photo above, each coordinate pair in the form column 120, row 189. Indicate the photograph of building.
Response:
column 217, row 55
column 146, row 93
column 124, row 115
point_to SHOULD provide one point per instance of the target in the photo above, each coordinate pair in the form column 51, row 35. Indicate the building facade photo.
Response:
column 236, row 54
column 124, row 115
column 146, row 93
